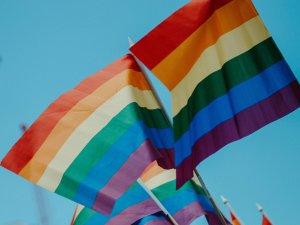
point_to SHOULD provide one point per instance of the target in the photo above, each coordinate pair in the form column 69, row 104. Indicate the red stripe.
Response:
column 244, row 123
column 23, row 151
column 169, row 34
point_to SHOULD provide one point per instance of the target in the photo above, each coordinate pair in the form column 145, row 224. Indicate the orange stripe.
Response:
column 151, row 171
column 185, row 55
column 35, row 168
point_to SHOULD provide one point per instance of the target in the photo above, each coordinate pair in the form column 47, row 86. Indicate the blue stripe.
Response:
column 236, row 100
column 184, row 198
column 115, row 157
column 132, row 197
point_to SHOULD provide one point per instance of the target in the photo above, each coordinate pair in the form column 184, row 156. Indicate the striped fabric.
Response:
column 226, row 76
column 185, row 204
column 234, row 219
column 93, row 142
column 134, row 205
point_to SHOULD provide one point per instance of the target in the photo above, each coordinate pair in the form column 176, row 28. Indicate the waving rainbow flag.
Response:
column 226, row 76
column 184, row 205
column 92, row 143
column 134, row 205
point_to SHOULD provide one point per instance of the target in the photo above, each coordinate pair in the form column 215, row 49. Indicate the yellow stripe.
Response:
column 89, row 128
column 161, row 178
column 213, row 58
column 79, row 113
column 184, row 56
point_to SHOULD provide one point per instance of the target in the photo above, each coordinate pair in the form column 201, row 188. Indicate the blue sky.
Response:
column 47, row 47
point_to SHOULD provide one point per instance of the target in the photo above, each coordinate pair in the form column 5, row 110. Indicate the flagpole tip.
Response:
column 130, row 41
column 259, row 207
column 225, row 201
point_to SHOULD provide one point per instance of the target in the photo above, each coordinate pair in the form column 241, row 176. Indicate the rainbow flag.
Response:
column 226, row 76
column 184, row 205
column 134, row 205
column 92, row 143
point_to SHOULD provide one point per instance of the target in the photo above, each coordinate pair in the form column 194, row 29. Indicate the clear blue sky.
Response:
column 47, row 47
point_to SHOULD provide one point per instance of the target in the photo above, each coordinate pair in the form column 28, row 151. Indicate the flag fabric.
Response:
column 134, row 205
column 155, row 219
column 213, row 219
column 92, row 143
column 265, row 220
column 184, row 205
column 226, row 76
column 234, row 219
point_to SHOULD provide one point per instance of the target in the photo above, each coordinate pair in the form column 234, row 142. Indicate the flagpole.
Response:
column 156, row 200
column 226, row 202
column 221, row 218
column 261, row 210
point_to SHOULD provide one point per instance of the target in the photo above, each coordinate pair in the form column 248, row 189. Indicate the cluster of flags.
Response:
column 237, row 221
column 97, row 144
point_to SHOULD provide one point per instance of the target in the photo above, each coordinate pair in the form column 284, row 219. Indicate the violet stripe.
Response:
column 134, row 213
column 127, row 174
column 189, row 213
column 244, row 123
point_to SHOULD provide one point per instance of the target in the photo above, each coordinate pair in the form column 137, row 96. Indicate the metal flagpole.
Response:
column 260, row 209
column 156, row 200
column 220, row 216
column 226, row 202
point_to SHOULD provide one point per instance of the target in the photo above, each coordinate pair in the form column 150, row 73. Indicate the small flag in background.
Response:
column 266, row 221
column 234, row 219
column 92, row 143
column 226, row 76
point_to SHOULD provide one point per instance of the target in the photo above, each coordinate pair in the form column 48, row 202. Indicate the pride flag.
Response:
column 92, row 143
column 265, row 220
column 184, row 205
column 134, row 205
column 226, row 76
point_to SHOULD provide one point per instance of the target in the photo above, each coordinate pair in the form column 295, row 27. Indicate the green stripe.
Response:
column 103, row 141
column 233, row 72
column 84, row 216
column 168, row 189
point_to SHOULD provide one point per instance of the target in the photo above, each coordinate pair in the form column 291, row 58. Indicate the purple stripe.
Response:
column 189, row 213
column 166, row 160
column 213, row 219
column 125, row 177
column 244, row 123
column 134, row 213
column 159, row 222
